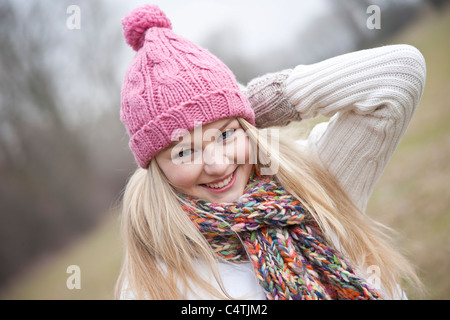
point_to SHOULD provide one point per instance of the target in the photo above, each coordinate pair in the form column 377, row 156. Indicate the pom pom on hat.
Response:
column 172, row 84
column 138, row 21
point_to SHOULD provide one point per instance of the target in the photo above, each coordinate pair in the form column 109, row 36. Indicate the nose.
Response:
column 215, row 160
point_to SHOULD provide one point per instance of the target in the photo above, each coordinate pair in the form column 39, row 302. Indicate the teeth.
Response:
column 220, row 184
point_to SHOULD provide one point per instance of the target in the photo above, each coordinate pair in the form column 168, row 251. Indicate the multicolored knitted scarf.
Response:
column 291, row 258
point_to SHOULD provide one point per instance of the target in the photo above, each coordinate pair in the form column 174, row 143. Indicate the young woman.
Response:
column 221, row 209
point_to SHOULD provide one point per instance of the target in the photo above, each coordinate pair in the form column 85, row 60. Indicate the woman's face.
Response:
column 210, row 162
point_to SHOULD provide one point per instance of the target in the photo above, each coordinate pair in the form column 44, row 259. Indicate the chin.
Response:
column 229, row 197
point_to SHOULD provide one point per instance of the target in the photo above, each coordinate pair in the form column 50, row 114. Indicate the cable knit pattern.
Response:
column 172, row 85
column 370, row 96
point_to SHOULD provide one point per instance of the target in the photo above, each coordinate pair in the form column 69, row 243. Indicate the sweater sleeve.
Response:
column 370, row 96
column 269, row 101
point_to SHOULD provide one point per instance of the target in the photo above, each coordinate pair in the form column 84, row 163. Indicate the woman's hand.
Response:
column 269, row 101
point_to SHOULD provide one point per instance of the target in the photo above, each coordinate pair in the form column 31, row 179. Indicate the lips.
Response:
column 221, row 185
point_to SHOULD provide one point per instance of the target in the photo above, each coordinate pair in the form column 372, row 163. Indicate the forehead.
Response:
column 219, row 124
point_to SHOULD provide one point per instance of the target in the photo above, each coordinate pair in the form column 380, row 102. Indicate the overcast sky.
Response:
column 259, row 27
column 262, row 23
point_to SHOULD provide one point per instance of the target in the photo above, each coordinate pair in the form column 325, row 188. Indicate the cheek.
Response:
column 240, row 150
column 182, row 177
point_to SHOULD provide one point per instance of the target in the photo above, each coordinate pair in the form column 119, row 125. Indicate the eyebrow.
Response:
column 226, row 124
column 173, row 143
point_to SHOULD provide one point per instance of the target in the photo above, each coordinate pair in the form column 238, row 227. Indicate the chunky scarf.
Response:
column 291, row 258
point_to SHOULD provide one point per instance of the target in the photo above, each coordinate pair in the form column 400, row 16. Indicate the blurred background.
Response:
column 64, row 159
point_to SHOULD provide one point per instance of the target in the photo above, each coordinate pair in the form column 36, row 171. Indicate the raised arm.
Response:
column 370, row 96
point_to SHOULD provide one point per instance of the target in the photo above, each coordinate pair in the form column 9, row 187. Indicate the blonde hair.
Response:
column 163, row 247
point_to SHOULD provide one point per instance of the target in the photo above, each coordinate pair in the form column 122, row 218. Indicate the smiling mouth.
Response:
column 219, row 186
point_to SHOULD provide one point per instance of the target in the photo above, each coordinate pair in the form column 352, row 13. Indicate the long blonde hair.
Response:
column 163, row 247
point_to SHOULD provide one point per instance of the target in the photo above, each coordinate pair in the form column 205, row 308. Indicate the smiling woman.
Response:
column 219, row 210
column 214, row 169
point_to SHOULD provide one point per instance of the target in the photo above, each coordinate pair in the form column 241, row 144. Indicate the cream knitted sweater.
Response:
column 369, row 96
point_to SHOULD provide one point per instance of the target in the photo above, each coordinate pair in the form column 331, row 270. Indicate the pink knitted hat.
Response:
column 172, row 84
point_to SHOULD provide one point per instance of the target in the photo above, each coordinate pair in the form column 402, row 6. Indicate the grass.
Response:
column 98, row 256
column 412, row 196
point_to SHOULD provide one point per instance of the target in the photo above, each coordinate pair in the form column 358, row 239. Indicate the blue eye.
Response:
column 226, row 134
column 185, row 153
